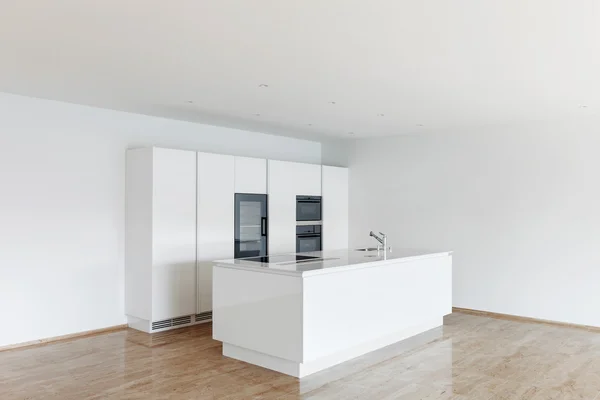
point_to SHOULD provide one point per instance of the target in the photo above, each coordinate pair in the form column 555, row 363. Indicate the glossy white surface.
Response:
column 161, row 233
column 282, row 207
column 303, row 369
column 258, row 311
column 215, row 219
column 335, row 207
column 250, row 175
column 345, row 309
column 305, row 178
column 301, row 324
column 333, row 261
column 173, row 233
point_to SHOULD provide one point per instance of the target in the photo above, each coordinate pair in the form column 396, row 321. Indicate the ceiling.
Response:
column 310, row 68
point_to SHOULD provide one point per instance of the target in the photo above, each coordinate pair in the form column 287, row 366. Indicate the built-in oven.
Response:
column 308, row 208
column 308, row 238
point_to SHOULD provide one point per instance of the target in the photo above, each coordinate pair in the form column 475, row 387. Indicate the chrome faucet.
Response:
column 382, row 240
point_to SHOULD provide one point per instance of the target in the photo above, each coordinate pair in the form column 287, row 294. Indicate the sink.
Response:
column 367, row 249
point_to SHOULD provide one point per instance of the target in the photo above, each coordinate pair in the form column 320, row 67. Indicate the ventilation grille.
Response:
column 182, row 320
column 205, row 316
column 167, row 323
column 161, row 324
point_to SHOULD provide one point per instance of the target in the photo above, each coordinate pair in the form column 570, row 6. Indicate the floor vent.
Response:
column 161, row 324
column 187, row 320
column 205, row 316
column 168, row 323
column 182, row 320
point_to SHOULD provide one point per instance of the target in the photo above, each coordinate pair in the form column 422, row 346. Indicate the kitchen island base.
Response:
column 301, row 322
column 300, row 370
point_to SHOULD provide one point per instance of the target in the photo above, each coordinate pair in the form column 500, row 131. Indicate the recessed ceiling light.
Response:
column 263, row 85
column 380, row 115
column 309, row 124
column 332, row 102
column 350, row 133
column 582, row 106
column 419, row 124
column 257, row 115
column 190, row 101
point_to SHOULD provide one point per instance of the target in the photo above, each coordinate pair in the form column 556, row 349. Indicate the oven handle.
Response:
column 309, row 236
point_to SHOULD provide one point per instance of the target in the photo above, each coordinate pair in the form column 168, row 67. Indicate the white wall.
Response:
column 520, row 206
column 62, row 178
column 334, row 152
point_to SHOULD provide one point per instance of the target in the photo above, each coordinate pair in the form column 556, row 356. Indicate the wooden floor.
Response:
column 471, row 357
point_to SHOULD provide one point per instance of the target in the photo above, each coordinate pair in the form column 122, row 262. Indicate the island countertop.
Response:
column 331, row 261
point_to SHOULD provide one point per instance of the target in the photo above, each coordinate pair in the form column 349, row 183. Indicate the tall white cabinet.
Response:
column 215, row 221
column 160, row 248
column 250, row 175
column 179, row 218
column 286, row 181
column 335, row 207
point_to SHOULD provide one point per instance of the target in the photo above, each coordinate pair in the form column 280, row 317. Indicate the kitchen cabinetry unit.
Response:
column 160, row 250
column 250, row 175
column 180, row 217
column 335, row 207
column 286, row 181
column 215, row 219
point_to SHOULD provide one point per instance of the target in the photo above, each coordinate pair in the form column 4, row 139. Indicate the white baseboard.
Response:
column 62, row 338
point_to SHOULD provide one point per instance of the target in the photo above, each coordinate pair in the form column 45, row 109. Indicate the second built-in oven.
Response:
column 308, row 238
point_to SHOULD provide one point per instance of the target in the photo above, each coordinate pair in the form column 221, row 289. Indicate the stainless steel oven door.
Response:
column 308, row 208
column 310, row 242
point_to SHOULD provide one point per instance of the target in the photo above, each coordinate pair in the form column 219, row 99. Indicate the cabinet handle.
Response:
column 263, row 226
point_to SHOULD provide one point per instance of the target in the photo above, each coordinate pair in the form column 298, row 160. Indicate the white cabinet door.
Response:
column 335, row 208
column 306, row 178
column 215, row 219
column 282, row 207
column 250, row 175
column 173, row 233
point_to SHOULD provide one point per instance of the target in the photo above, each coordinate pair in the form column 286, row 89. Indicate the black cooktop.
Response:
column 280, row 258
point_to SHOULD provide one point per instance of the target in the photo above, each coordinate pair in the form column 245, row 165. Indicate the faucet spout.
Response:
column 381, row 239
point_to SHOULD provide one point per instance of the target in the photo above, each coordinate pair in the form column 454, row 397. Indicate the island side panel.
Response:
column 258, row 311
column 353, row 312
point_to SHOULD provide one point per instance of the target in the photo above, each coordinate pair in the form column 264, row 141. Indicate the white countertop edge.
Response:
column 332, row 270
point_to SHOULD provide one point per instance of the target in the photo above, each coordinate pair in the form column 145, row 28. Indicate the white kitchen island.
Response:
column 302, row 317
